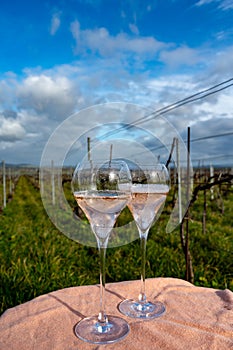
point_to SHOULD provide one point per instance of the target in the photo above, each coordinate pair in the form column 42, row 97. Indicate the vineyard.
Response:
column 35, row 258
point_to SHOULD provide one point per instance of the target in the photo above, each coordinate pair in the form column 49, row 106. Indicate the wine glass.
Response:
column 149, row 191
column 102, row 190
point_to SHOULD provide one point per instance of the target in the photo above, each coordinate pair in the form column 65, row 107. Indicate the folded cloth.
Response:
column 195, row 318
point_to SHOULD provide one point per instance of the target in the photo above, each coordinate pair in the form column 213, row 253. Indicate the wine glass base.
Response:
column 146, row 310
column 92, row 331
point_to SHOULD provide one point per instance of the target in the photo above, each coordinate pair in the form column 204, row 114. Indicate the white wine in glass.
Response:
column 102, row 190
column 149, row 191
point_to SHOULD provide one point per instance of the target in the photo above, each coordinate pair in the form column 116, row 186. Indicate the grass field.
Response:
column 35, row 258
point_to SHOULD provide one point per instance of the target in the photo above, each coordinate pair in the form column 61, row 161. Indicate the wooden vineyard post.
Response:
column 110, row 157
column 179, row 179
column 42, row 180
column 10, row 181
column 4, row 183
column 89, row 148
column 189, row 275
column 53, row 183
column 212, row 180
column 204, row 214
column 189, row 267
column 205, row 204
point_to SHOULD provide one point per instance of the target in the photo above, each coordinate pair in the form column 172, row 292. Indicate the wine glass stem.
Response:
column 102, row 316
column 142, row 295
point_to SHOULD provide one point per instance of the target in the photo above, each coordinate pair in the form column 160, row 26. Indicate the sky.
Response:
column 60, row 58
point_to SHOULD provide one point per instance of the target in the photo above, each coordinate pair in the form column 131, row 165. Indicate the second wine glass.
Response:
column 150, row 186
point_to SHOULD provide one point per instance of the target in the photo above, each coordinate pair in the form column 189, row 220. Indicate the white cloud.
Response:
column 134, row 29
column 221, row 61
column 133, row 50
column 102, row 42
column 180, row 56
column 10, row 129
column 44, row 98
column 55, row 23
column 7, row 88
column 222, row 4
column 222, row 107
column 204, row 2
column 226, row 4
column 47, row 95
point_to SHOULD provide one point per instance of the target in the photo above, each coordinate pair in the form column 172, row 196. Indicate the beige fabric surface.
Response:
column 196, row 318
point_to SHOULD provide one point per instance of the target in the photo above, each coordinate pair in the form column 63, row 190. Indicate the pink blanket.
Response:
column 196, row 318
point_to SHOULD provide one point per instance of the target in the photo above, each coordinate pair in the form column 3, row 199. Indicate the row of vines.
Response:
column 35, row 258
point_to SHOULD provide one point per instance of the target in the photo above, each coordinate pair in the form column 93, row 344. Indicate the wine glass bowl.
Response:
column 150, row 185
column 149, row 190
column 102, row 190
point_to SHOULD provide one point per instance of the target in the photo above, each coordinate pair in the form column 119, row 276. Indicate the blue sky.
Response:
column 59, row 57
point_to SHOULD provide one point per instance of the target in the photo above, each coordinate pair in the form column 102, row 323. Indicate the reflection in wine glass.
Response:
column 102, row 190
column 149, row 191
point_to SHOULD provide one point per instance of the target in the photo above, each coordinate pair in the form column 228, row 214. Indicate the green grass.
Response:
column 35, row 258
